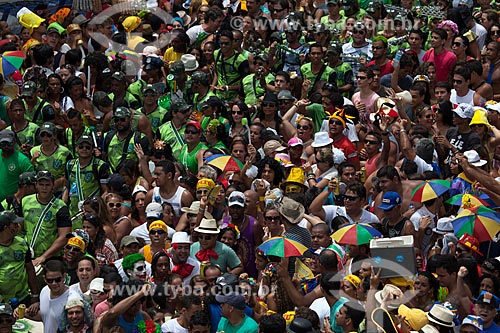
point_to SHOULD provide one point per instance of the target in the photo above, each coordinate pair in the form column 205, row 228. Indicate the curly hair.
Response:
column 274, row 165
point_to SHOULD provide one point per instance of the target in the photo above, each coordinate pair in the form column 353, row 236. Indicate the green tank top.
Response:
column 155, row 118
column 228, row 73
column 13, row 276
column 188, row 159
column 45, row 234
column 54, row 163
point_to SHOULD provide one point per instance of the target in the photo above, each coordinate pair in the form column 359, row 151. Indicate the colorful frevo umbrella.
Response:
column 466, row 200
column 11, row 61
column 224, row 162
column 356, row 234
column 430, row 189
column 282, row 247
column 478, row 221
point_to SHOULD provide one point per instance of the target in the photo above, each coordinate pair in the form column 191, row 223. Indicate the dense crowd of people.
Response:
column 151, row 153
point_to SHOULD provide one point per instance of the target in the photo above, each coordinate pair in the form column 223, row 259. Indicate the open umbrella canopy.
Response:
column 11, row 61
column 466, row 200
column 478, row 221
column 282, row 247
column 356, row 234
column 224, row 162
column 430, row 189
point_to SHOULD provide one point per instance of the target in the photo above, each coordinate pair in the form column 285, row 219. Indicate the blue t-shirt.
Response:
column 494, row 328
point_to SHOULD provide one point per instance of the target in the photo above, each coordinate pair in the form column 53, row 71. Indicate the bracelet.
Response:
column 310, row 174
column 227, row 88
column 296, row 105
column 35, row 296
column 402, row 131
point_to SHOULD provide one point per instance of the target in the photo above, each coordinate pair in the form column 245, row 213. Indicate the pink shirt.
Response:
column 369, row 102
column 443, row 63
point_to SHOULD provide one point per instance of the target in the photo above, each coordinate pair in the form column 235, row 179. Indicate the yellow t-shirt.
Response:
column 171, row 56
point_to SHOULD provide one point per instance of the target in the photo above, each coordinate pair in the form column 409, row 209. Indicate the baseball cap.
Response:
column 73, row 27
column 7, row 136
column 488, row 298
column 200, row 77
column 7, row 217
column 29, row 89
column 262, row 56
column 6, row 309
column 234, row 299
column 154, row 210
column 47, row 127
column 55, row 27
column 295, row 141
column 119, row 76
column 390, row 200
column 127, row 240
column 178, row 103
column 47, row 175
column 153, row 63
column 27, row 178
column 464, row 111
column 194, row 124
column 97, row 284
column 285, row 94
column 85, row 139
column 121, row 112
column 114, row 180
column 475, row 321
column 237, row 198
column 149, row 87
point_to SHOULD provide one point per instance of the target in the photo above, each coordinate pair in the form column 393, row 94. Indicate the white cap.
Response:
column 97, row 284
column 154, row 210
column 139, row 188
column 474, row 159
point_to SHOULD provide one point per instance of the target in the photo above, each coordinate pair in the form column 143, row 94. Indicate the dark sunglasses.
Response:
column 268, row 105
column 113, row 205
column 457, row 44
column 191, row 131
column 349, row 197
column 361, row 77
column 258, row 63
column 205, row 237
column 284, row 101
column 157, row 232
column 495, row 32
column 237, row 112
column 458, row 81
column 272, row 218
column 225, row 43
column 201, row 191
column 150, row 94
column 356, row 31
column 70, row 248
column 336, row 122
column 372, row 142
column 45, row 134
column 477, row 125
column 56, row 280
column 304, row 127
column 84, row 147
column 118, row 120
column 429, row 116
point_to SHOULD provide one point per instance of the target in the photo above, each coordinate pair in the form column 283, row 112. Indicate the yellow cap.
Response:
column 158, row 224
column 131, row 23
column 205, row 183
column 480, row 118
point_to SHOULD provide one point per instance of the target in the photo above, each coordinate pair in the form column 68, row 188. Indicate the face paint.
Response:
column 139, row 271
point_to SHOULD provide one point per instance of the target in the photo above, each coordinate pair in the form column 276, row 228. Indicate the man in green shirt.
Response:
column 38, row 110
column 119, row 145
column 119, row 91
column 84, row 174
column 155, row 113
column 316, row 70
column 25, row 130
column 192, row 151
column 46, row 219
column 12, row 164
column 172, row 132
column 234, row 319
column 26, row 187
column 256, row 84
column 17, row 275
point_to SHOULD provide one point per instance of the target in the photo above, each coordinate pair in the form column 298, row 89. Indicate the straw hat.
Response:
column 441, row 315
column 291, row 210
column 208, row 226
column 391, row 292
column 194, row 209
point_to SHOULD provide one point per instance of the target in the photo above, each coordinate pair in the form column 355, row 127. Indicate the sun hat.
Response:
column 207, row 226
column 441, row 315
column 417, row 318
column 428, row 328
column 181, row 237
column 272, row 146
column 444, row 225
column 73, row 302
column 291, row 210
column 474, row 159
column 194, row 209
column 321, row 139
column 480, row 118
column 190, row 62
column 393, row 293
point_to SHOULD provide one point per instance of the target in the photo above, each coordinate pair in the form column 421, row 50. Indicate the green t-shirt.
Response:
column 359, row 15
column 188, row 159
column 252, row 88
column 10, row 169
column 172, row 136
column 45, row 233
column 227, row 258
column 317, row 113
column 248, row 325
column 26, row 135
column 333, row 25
column 343, row 76
column 197, row 101
column 89, row 179
column 13, row 276
column 155, row 118
column 307, row 73
column 115, row 149
column 229, row 73
column 55, row 163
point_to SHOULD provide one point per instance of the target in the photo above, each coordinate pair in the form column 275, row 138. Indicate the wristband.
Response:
column 402, row 131
column 261, row 199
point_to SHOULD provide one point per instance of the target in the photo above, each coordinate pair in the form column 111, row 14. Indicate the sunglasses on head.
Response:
column 113, row 205
column 191, row 131
column 304, row 127
column 157, row 232
column 56, row 280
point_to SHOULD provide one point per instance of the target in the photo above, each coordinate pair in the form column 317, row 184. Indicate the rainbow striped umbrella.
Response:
column 478, row 221
column 11, row 61
column 224, row 162
column 466, row 200
column 282, row 247
column 430, row 189
column 356, row 234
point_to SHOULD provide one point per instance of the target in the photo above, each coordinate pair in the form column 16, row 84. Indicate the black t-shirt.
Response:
column 463, row 141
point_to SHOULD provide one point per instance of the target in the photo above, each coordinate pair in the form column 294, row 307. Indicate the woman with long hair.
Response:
column 239, row 148
column 160, row 267
column 138, row 214
column 460, row 46
column 270, row 170
column 121, row 223
column 95, row 205
column 493, row 33
column 55, row 94
column 268, row 114
column 443, row 115
column 77, row 99
column 100, row 247
column 239, row 119
column 426, row 291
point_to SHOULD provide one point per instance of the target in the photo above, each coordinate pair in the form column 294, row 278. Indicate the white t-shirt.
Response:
column 51, row 309
column 332, row 211
column 193, row 32
column 322, row 309
column 469, row 98
column 422, row 165
column 190, row 261
column 172, row 326
column 143, row 232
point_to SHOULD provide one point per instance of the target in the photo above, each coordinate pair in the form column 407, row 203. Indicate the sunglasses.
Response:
column 349, row 197
column 429, row 116
column 458, row 44
column 157, row 232
column 495, row 32
column 372, row 142
column 272, row 218
column 304, row 127
column 258, row 63
column 70, row 248
column 278, row 10
column 237, row 112
column 150, row 94
column 113, row 205
column 97, row 292
column 477, row 125
column 225, row 43
column 45, row 134
column 201, row 192
column 284, row 101
column 81, row 147
column 56, row 280
column 335, row 122
column 458, row 81
column 268, row 105
column 361, row 77
column 356, row 31
column 205, row 237
column 191, row 131
column 120, row 120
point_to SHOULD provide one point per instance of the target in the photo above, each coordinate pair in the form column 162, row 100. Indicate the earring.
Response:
column 61, row 91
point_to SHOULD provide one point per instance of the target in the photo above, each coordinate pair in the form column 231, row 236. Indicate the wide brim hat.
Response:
column 194, row 209
column 321, row 139
column 208, row 226
column 389, row 288
column 441, row 315
column 291, row 210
